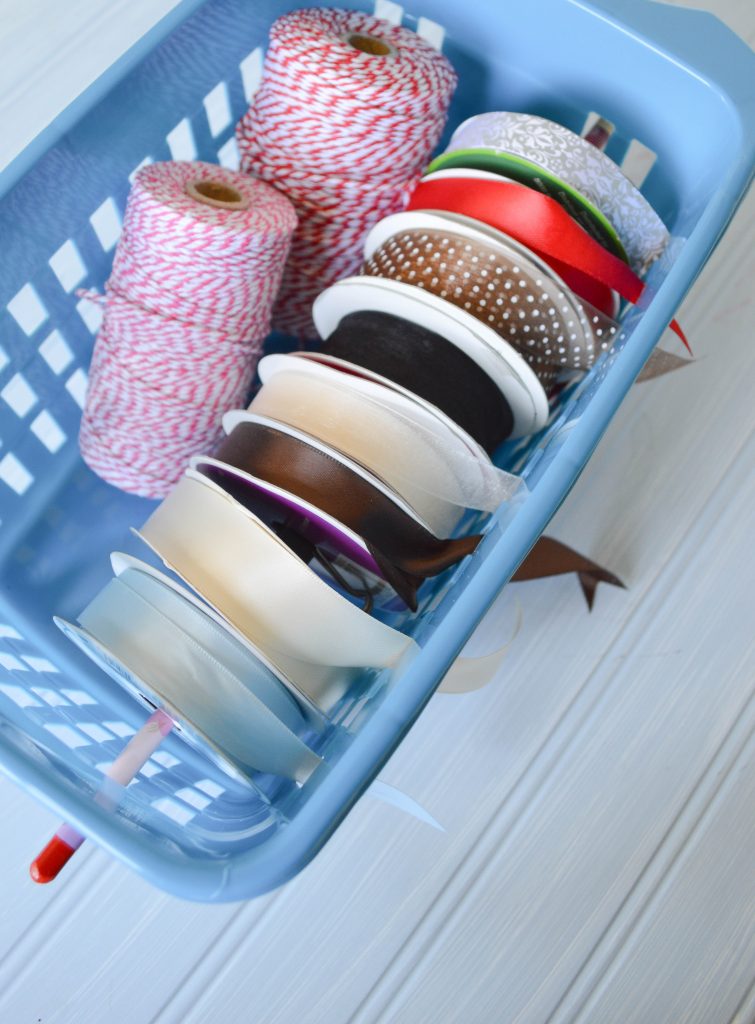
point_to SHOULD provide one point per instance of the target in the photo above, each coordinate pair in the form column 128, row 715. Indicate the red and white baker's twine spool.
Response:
column 345, row 134
column 187, row 307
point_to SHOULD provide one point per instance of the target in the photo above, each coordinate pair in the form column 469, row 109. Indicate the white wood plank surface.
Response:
column 52, row 51
column 598, row 800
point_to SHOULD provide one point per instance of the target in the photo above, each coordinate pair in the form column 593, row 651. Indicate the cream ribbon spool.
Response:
column 392, row 436
column 168, row 653
column 314, row 363
column 316, row 637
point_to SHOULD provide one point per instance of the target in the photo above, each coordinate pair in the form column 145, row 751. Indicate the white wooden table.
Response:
column 598, row 801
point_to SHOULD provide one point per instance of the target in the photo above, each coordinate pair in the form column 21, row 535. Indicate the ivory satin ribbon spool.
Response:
column 501, row 362
column 499, row 284
column 170, row 655
column 252, row 579
column 537, row 142
column 402, row 550
column 421, row 459
column 426, row 365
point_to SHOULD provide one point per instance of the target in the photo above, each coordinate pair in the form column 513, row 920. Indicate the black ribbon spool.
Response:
column 429, row 366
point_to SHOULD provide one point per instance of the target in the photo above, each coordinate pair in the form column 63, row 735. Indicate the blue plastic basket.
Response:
column 676, row 80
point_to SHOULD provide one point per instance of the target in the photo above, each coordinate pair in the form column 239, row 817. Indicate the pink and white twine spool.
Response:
column 349, row 110
column 188, row 305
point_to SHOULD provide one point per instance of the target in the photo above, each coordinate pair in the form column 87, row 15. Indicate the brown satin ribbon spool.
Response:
column 498, row 292
column 404, row 550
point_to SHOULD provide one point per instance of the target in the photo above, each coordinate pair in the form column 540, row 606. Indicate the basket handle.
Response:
column 699, row 38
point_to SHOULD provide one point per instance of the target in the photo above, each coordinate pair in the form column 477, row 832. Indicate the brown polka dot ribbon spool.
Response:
column 520, row 299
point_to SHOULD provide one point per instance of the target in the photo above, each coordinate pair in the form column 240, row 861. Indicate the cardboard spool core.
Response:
column 369, row 44
column 600, row 133
column 217, row 193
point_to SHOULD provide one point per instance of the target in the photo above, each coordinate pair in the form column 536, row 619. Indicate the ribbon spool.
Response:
column 427, row 418
column 348, row 112
column 597, row 295
column 315, row 637
column 362, row 373
column 542, row 225
column 498, row 283
column 416, row 453
column 236, row 416
column 226, row 701
column 511, row 374
column 306, row 530
column 426, row 365
column 399, row 549
column 188, row 305
column 547, row 156
column 533, row 220
column 582, row 212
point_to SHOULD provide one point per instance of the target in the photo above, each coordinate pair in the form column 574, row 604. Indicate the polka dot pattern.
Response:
column 504, row 291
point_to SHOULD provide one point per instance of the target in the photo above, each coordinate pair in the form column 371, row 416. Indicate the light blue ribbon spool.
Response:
column 169, row 654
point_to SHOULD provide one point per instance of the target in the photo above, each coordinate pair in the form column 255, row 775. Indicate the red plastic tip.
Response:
column 51, row 860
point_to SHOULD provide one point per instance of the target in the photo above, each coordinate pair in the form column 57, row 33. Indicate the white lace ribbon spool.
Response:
column 581, row 165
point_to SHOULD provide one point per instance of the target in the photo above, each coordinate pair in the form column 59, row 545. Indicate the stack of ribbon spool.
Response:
column 349, row 479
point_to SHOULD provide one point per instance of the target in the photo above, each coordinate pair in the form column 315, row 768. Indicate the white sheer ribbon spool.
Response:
column 581, row 165
column 414, row 452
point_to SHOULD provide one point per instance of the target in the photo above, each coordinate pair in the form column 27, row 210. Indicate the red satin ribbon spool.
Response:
column 543, row 226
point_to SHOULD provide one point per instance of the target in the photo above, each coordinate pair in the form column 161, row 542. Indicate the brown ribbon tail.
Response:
column 549, row 557
column 660, row 363
column 589, row 584
column 407, row 578
column 405, row 584
column 447, row 553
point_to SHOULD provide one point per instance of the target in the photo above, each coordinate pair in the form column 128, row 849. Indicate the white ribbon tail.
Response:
column 469, row 674
column 396, row 798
